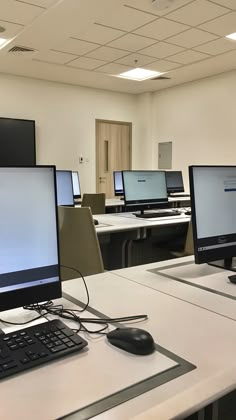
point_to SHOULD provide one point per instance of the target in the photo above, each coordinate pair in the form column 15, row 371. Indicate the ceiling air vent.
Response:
column 21, row 50
column 161, row 78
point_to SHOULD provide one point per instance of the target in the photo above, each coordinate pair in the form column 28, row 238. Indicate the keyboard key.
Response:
column 68, row 333
column 70, row 344
column 58, row 348
column 25, row 360
column 9, row 365
column 43, row 354
column 76, row 340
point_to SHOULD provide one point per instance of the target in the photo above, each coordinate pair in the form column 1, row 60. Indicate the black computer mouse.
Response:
column 232, row 278
column 95, row 221
column 132, row 340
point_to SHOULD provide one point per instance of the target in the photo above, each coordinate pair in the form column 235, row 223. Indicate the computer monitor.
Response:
column 174, row 182
column 118, row 183
column 76, row 184
column 64, row 188
column 213, row 197
column 29, row 262
column 144, row 189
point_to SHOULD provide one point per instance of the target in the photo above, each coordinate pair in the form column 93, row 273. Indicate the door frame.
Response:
column 97, row 120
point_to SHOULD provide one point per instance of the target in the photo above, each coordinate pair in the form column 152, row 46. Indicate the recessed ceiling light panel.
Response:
column 139, row 74
column 231, row 36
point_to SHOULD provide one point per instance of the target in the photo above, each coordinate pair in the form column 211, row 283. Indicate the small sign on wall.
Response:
column 165, row 155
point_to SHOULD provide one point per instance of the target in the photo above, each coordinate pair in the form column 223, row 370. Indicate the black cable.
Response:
column 70, row 314
column 85, row 285
column 47, row 308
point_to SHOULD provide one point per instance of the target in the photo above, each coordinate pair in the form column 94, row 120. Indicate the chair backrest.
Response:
column 96, row 202
column 188, row 248
column 79, row 246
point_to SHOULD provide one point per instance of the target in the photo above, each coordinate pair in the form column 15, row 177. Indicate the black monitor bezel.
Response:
column 76, row 195
column 34, row 142
column 118, row 193
column 211, row 255
column 68, row 170
column 144, row 204
column 34, row 294
column 174, row 190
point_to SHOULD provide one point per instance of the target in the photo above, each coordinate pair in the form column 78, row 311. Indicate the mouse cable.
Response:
column 74, row 315
column 49, row 308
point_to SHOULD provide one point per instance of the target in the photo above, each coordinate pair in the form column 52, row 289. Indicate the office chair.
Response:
column 188, row 246
column 79, row 246
column 96, row 202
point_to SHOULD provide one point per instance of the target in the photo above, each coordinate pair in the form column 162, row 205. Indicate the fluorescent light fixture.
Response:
column 139, row 74
column 231, row 36
column 2, row 41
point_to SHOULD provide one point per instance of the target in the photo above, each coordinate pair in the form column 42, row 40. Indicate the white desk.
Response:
column 125, row 238
column 202, row 337
column 202, row 285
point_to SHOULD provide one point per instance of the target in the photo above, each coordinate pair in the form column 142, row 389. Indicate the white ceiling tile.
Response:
column 217, row 47
column 161, row 50
column 11, row 29
column 135, row 60
column 124, row 18
column 75, row 46
column 97, row 33
column 113, row 69
column 86, row 63
column 17, row 12
column 162, row 65
column 191, row 38
column 131, row 42
column 188, row 56
column 107, row 54
column 41, row 3
column 54, row 57
column 222, row 26
column 148, row 6
column 231, row 4
column 161, row 28
column 197, row 12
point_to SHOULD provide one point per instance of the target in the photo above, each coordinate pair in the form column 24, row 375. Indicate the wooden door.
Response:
column 113, row 153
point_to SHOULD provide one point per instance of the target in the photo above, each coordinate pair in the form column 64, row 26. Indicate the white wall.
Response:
column 65, row 120
column 200, row 119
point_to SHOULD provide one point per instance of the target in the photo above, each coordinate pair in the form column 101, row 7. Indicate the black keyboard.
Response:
column 158, row 214
column 36, row 345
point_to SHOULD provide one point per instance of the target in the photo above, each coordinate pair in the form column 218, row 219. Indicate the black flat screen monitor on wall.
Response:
column 174, row 182
column 213, row 197
column 29, row 261
column 17, row 142
column 76, row 184
column 65, row 195
column 118, row 183
column 144, row 189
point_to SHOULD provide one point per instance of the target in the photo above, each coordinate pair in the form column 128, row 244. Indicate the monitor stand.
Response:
column 226, row 264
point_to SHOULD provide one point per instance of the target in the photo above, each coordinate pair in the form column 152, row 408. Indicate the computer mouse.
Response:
column 232, row 278
column 132, row 340
column 188, row 213
column 95, row 221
